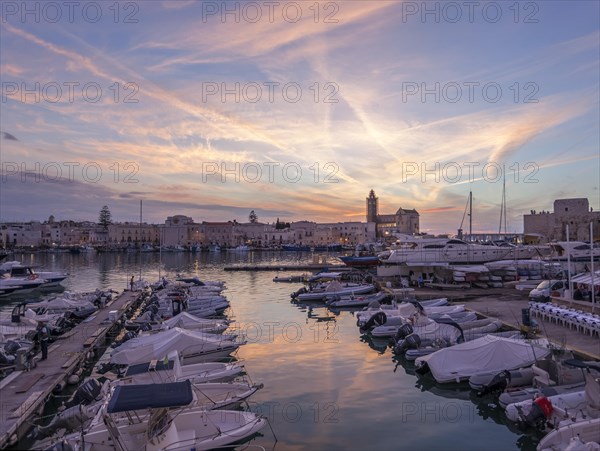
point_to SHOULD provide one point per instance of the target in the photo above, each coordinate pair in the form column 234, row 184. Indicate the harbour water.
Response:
column 325, row 387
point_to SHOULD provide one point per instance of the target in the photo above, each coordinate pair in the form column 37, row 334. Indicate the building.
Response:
column 548, row 226
column 403, row 221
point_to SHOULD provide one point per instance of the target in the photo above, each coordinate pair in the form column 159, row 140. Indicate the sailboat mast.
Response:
column 140, row 235
column 470, row 215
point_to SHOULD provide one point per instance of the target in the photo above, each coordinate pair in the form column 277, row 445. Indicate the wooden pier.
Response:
column 24, row 393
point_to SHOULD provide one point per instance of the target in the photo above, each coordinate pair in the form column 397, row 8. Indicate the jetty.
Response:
column 24, row 392
column 298, row 267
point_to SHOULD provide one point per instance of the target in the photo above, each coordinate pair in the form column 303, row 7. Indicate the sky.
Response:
column 296, row 110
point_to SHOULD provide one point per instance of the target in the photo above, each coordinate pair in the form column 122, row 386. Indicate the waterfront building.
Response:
column 548, row 226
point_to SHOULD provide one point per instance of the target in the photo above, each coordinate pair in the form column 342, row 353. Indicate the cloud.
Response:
column 8, row 136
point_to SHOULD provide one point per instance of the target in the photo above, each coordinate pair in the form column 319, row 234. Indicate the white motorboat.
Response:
column 574, row 251
column 485, row 354
column 160, row 417
column 334, row 288
column 443, row 250
column 17, row 271
column 583, row 435
column 355, row 301
column 171, row 370
column 188, row 321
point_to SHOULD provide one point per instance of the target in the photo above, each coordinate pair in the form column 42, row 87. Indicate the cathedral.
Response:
column 403, row 221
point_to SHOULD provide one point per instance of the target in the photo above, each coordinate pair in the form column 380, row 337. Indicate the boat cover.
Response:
column 185, row 320
column 150, row 396
column 488, row 353
column 147, row 348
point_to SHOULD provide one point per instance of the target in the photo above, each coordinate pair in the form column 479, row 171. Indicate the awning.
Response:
column 586, row 278
column 150, row 396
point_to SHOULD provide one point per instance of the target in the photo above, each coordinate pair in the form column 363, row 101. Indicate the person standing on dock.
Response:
column 131, row 283
column 43, row 337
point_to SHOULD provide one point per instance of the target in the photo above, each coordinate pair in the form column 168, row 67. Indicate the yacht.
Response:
column 573, row 250
column 451, row 250
column 18, row 272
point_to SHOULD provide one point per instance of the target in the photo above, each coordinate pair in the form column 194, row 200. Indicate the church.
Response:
column 403, row 221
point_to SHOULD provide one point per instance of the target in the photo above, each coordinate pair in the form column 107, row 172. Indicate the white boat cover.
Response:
column 489, row 353
column 61, row 304
column 157, row 346
column 184, row 320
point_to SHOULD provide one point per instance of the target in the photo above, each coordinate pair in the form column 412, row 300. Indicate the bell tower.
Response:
column 372, row 207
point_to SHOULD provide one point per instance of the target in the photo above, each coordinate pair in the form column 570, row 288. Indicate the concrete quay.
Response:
column 506, row 304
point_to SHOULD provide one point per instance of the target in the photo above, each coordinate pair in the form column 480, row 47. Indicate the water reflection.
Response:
column 313, row 360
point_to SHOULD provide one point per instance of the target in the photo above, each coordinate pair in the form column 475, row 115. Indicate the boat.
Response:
column 188, row 321
column 425, row 251
column 575, row 251
column 515, row 395
column 583, row 435
column 195, row 347
column 355, row 301
column 10, row 286
column 295, row 248
column 334, row 288
column 161, row 416
column 171, row 370
column 214, row 248
column 486, row 354
column 16, row 270
column 360, row 261
column 396, row 314
column 240, row 248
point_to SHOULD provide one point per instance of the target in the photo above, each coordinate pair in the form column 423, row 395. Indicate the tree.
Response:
column 105, row 218
column 252, row 217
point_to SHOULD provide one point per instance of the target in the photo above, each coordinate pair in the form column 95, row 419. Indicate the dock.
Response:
column 299, row 267
column 505, row 304
column 24, row 393
column 507, row 308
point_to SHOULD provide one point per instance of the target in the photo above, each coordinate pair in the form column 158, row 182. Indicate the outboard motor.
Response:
column 498, row 383
column 11, row 347
column 378, row 319
column 541, row 409
column 404, row 331
column 412, row 341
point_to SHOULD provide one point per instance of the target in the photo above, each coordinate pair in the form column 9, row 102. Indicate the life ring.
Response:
column 32, row 277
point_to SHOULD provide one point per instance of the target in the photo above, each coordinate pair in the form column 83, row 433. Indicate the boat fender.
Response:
column 404, row 331
column 73, row 379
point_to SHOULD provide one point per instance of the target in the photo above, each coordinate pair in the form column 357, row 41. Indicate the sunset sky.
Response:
column 297, row 109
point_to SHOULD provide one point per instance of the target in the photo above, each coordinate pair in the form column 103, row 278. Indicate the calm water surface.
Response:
column 325, row 387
